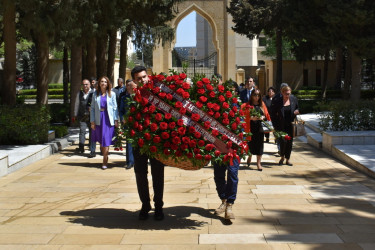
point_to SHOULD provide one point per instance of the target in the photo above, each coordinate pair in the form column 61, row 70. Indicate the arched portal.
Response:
column 222, row 36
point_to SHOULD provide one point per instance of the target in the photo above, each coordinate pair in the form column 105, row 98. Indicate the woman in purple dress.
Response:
column 104, row 116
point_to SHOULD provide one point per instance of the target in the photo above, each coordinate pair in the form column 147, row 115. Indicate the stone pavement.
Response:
column 66, row 201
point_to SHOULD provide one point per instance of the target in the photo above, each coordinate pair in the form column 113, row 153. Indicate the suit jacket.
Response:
column 243, row 95
column 277, row 111
column 111, row 108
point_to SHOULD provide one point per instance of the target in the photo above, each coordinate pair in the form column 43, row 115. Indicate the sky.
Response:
column 186, row 31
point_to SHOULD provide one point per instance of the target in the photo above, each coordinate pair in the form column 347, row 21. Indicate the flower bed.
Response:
column 171, row 120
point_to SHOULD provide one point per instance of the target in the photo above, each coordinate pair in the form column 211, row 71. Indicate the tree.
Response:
column 251, row 17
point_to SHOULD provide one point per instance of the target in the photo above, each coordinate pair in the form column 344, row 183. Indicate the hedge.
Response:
column 60, row 131
column 24, row 124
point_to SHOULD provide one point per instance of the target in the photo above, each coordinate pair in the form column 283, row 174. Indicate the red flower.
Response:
column 180, row 122
column 191, row 130
column 182, row 76
column 172, row 86
column 181, row 130
column 189, row 155
column 199, row 84
column 217, row 115
column 178, row 153
column 210, row 105
column 138, row 116
column 174, row 146
column 132, row 133
column 176, row 140
column 153, row 149
column 228, row 94
column 215, row 132
column 144, row 101
column 166, row 151
column 182, row 111
column 229, row 144
column 171, row 125
column 198, row 156
column 288, row 138
column 186, row 140
column 206, row 80
column 156, row 90
column 201, row 91
column 209, row 147
column 175, row 77
column 178, row 104
column 197, row 135
column 207, row 124
column 180, row 91
column 167, row 144
column 185, row 95
column 184, row 146
column 234, row 108
column 140, row 127
column 164, row 135
column 152, row 109
column 201, row 143
column 212, row 94
column 203, row 99
column 160, row 77
column 234, row 126
column 209, row 87
column 169, row 97
column 234, row 100
column 162, row 95
column 141, row 142
column 145, row 110
column 217, row 153
column 131, row 119
column 153, row 127
column 225, row 115
column 207, row 157
column 192, row 143
column 158, row 117
column 163, row 125
column 231, row 113
column 216, row 107
column 186, row 85
column 195, row 117
column 224, row 137
column 210, row 113
column 199, row 104
column 169, row 79
column 225, row 121
column 156, row 139
column 221, row 98
column 220, row 88
column 147, row 136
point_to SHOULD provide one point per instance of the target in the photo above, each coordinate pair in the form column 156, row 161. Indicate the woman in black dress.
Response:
column 284, row 111
column 256, row 144
column 268, row 100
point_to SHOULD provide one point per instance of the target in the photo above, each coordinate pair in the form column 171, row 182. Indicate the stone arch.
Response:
column 214, row 11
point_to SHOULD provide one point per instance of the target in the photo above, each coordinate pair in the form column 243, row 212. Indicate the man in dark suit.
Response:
column 246, row 92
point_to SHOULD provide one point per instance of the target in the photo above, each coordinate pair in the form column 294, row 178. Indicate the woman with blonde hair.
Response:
column 104, row 116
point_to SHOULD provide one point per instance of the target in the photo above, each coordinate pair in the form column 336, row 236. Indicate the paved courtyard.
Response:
column 67, row 202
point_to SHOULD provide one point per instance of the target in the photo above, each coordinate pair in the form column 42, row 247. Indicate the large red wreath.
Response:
column 201, row 122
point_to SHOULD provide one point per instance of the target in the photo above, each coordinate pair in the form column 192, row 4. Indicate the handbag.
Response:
column 266, row 127
column 298, row 127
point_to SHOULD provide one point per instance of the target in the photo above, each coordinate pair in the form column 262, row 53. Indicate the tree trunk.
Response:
column 75, row 83
column 338, row 68
column 348, row 76
column 101, row 49
column 279, row 57
column 9, row 33
column 325, row 74
column 123, row 54
column 91, row 58
column 84, row 65
column 66, row 75
column 111, row 55
column 42, row 51
column 355, row 93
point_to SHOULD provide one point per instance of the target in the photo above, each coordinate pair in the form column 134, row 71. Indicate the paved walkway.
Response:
column 66, row 201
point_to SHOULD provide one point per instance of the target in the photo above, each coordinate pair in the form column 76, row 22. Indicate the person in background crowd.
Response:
column 139, row 75
column 217, row 79
column 124, row 97
column 284, row 111
column 268, row 100
column 254, row 125
column 246, row 92
column 119, row 89
column 104, row 116
column 81, row 113
column 93, row 83
column 235, row 88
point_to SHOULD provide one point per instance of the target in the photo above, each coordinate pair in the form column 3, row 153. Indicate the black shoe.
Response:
column 143, row 214
column 129, row 166
column 159, row 215
column 92, row 155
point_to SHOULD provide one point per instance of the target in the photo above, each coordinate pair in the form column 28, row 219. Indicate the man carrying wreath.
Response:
column 140, row 77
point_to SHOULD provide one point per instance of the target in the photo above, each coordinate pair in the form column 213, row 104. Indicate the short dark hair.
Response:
column 129, row 80
column 137, row 69
column 273, row 89
column 92, row 79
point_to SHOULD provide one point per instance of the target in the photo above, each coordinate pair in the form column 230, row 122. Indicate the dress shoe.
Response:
column 91, row 155
column 159, row 215
column 129, row 166
column 281, row 162
column 289, row 163
column 143, row 214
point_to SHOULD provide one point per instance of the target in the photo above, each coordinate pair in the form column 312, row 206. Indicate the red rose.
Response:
column 162, row 95
column 184, row 146
column 228, row 94
column 132, row 132
column 138, row 116
column 205, row 80
column 209, row 147
column 225, row 121
column 140, row 142
column 189, row 155
column 171, row 125
column 240, row 135
column 243, row 125
column 175, row 77
column 201, row 143
column 201, row 91
column 191, row 130
column 156, row 139
column 131, row 119
column 186, row 85
column 144, row 101
column 174, row 134
column 198, row 156
column 288, row 138
column 164, row 135
column 212, row 94
column 192, row 143
column 210, row 113
column 182, row 111
column 203, row 99
column 209, row 87
column 180, row 122
column 140, row 127
column 207, row 157
column 195, row 117
column 176, row 140
column 196, row 151
column 179, row 82
column 185, row 95
column 158, row 117
column 207, row 124
column 234, row 100
column 152, row 109
column 169, row 97
column 238, row 120
column 153, row 127
column 197, row 135
column 215, row 132
column 160, row 77
column 199, row 104
column 224, row 137
column 182, row 76
column 231, row 113
column 216, row 107
column 178, row 104
column 229, row 144
column 174, row 146
column 217, row 153
column 225, row 105
column 217, row 115
column 234, row 126
column 135, row 125
column 167, row 144
column 235, row 109
column 221, row 98
column 169, row 79
column 156, row 90
column 225, row 115
column 166, row 151
column 172, row 86
column 153, row 149
column 186, row 140
column 210, row 105
column 180, row 91
column 220, row 88
column 163, row 125
column 178, row 153
column 145, row 110
column 181, row 130
column 147, row 136
column 146, row 123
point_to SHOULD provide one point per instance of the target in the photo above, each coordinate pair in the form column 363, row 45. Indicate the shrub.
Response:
column 24, row 124
column 59, row 112
column 349, row 116
column 60, row 131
